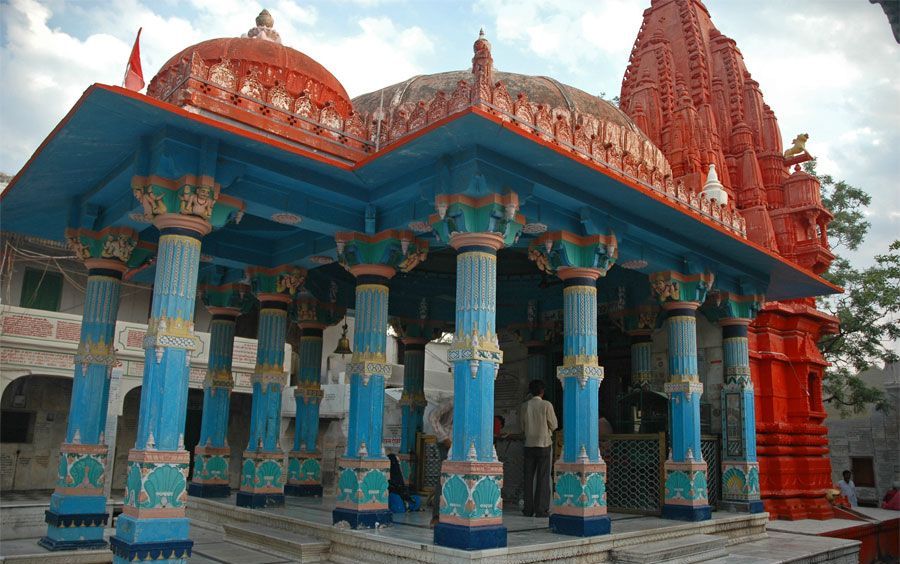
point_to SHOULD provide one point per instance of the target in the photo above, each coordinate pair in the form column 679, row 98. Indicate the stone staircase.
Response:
column 680, row 550
column 294, row 546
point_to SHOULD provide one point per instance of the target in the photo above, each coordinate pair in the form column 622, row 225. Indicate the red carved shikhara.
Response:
column 688, row 89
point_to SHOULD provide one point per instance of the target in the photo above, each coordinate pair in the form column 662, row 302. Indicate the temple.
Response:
column 655, row 262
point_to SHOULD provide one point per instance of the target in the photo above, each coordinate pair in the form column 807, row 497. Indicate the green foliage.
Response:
column 869, row 308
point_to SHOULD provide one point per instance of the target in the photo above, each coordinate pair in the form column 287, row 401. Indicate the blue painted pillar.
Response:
column 263, row 469
column 740, row 469
column 412, row 403
column 212, row 454
column 471, row 512
column 363, row 471
column 579, row 502
column 364, row 468
column 77, row 513
column 153, row 523
column 679, row 295
column 305, row 460
column 686, row 496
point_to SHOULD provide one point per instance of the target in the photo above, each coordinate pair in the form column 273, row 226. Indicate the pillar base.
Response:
column 75, row 521
column 362, row 519
column 161, row 551
column 407, row 467
column 580, row 526
column 469, row 538
column 259, row 500
column 54, row 545
column 209, row 490
column 687, row 512
column 362, row 492
column 304, row 474
column 755, row 506
column 303, row 490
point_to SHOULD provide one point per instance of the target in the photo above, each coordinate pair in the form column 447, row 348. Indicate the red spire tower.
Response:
column 688, row 88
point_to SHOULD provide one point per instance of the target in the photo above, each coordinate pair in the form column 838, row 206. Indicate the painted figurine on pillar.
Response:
column 471, row 508
column 362, row 493
column 415, row 335
column 153, row 523
column 263, row 471
column 212, row 455
column 579, row 501
column 686, row 495
column 740, row 469
column 304, row 476
column 78, row 513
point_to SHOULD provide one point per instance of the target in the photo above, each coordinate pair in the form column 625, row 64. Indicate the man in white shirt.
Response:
column 538, row 422
column 848, row 489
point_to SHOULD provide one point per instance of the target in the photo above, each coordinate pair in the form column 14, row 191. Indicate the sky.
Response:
column 830, row 68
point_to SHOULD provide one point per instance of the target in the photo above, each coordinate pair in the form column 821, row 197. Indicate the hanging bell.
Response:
column 343, row 346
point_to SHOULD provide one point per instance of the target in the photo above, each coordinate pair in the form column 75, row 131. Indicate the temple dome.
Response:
column 257, row 66
column 540, row 90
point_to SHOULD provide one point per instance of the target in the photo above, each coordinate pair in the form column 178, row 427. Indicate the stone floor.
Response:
column 212, row 545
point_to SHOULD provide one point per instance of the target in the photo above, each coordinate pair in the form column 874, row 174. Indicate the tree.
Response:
column 869, row 308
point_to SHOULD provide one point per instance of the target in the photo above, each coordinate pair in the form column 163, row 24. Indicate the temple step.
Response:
column 681, row 550
column 300, row 548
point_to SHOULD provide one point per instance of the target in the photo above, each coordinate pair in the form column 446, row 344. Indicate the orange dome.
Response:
column 258, row 68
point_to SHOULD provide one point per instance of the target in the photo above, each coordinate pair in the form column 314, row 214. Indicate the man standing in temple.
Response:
column 538, row 423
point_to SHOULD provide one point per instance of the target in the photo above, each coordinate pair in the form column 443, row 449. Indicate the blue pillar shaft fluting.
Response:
column 740, row 469
column 685, row 487
column 412, row 403
column 471, row 514
column 363, row 470
column 305, row 459
column 641, row 353
column 77, row 513
column 212, row 454
column 153, row 522
column 263, row 471
column 579, row 501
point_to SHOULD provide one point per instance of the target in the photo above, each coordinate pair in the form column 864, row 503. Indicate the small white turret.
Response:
column 713, row 189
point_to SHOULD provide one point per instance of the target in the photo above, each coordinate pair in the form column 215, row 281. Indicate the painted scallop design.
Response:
column 164, row 486
column 375, row 487
column 485, row 496
column 248, row 473
column 454, row 494
column 293, row 469
column 216, row 467
column 568, row 488
column 133, row 485
column 595, row 488
column 269, row 473
column 310, row 470
column 347, row 485
column 678, row 486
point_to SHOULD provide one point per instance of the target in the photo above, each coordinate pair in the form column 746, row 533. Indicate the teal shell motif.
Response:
column 406, row 469
column 133, row 484
column 311, row 471
column 699, row 486
column 165, row 487
column 81, row 470
column 734, row 482
column 347, row 485
column 595, row 490
column 216, row 467
column 753, row 480
column 293, row 469
column 486, row 496
column 374, row 487
column 269, row 473
column 568, row 489
column 248, row 473
column 454, row 496
column 678, row 486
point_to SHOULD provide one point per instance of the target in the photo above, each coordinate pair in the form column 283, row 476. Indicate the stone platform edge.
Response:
column 353, row 546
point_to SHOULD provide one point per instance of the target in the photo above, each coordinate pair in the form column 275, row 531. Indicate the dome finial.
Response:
column 264, row 28
column 713, row 189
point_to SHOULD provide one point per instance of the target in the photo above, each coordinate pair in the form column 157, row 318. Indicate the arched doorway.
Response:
column 34, row 410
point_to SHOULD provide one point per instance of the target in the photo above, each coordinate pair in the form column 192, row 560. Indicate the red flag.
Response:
column 134, row 75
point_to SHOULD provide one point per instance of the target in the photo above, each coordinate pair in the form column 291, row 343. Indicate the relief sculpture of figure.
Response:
column 119, row 247
column 199, row 201
column 152, row 202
